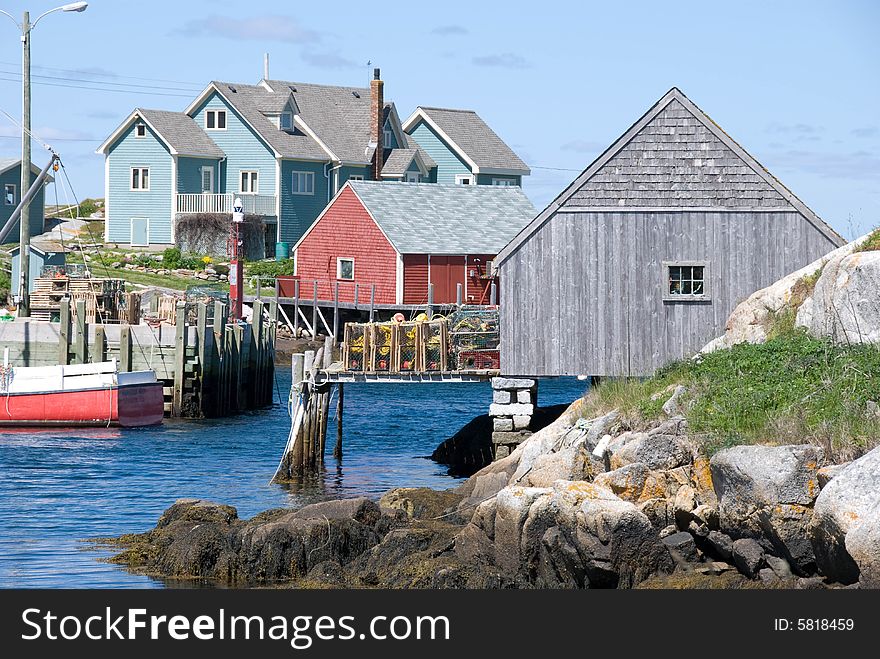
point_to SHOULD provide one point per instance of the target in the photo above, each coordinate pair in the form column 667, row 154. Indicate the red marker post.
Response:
column 236, row 270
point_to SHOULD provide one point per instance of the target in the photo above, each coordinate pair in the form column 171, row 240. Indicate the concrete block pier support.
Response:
column 513, row 404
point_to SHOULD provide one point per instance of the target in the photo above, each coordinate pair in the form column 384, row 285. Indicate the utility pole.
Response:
column 24, row 240
column 24, row 237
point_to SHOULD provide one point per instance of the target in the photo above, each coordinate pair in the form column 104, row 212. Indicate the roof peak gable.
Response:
column 674, row 95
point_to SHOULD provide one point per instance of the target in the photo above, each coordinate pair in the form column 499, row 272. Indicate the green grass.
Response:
column 792, row 389
column 871, row 243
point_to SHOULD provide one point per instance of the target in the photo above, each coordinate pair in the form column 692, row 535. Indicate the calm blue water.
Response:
column 58, row 488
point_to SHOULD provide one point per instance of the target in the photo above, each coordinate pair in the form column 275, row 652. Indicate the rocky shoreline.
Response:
column 583, row 503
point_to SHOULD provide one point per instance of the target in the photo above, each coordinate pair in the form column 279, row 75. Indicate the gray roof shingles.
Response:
column 398, row 161
column 251, row 101
column 182, row 133
column 481, row 144
column 430, row 218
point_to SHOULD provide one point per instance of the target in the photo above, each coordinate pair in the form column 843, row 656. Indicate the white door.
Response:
column 207, row 180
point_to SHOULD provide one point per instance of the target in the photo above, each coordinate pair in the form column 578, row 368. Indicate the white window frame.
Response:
column 460, row 178
column 504, row 182
column 281, row 117
column 141, row 169
column 307, row 175
column 253, row 181
column 388, row 138
column 6, row 201
column 140, row 130
column 705, row 296
column 207, row 168
column 339, row 261
column 131, row 232
column 355, row 177
column 413, row 177
column 216, row 113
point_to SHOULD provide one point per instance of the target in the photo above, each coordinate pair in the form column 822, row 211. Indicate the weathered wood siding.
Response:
column 584, row 294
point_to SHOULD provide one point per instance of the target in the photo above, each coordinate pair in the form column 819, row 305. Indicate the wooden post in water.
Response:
column 81, row 337
column 315, row 311
column 179, row 359
column 205, row 361
column 337, row 450
column 308, row 424
column 257, row 353
column 295, row 461
column 64, row 333
column 329, row 342
column 270, row 348
column 98, row 347
column 296, row 308
column 336, row 312
column 125, row 348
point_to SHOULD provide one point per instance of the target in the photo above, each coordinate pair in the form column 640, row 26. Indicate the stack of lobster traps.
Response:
column 105, row 299
column 467, row 340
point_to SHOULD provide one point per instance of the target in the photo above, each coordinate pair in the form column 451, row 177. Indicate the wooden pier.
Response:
column 460, row 348
column 311, row 314
column 210, row 367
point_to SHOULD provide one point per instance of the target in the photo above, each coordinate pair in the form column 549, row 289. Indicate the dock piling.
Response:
column 64, row 333
column 81, row 334
column 340, row 396
column 315, row 311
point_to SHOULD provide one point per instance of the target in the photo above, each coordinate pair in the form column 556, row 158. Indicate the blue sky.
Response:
column 796, row 83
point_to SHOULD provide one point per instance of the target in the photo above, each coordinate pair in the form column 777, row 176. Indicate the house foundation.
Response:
column 514, row 401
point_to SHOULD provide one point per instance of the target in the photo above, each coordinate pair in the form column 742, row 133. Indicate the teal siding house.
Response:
column 285, row 149
column 10, row 182
column 465, row 149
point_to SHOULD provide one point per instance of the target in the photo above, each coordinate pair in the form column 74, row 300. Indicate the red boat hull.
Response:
column 128, row 406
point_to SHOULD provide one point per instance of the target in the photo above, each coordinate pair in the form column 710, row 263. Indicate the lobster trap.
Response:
column 474, row 337
column 383, row 339
column 435, row 345
column 355, row 347
column 408, row 347
column 467, row 340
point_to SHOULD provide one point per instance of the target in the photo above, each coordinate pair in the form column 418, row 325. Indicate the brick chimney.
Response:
column 377, row 107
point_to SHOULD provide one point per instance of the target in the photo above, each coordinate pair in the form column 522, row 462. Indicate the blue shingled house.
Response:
column 10, row 181
column 285, row 149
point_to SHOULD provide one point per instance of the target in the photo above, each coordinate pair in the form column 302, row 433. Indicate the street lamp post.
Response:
column 24, row 252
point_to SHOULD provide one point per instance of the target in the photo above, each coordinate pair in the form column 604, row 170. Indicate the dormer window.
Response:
column 140, row 130
column 389, row 139
column 215, row 119
column 285, row 121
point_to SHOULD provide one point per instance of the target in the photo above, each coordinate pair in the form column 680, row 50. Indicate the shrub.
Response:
column 173, row 259
column 269, row 268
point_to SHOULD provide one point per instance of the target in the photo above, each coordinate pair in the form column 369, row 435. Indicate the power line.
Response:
column 137, row 87
column 106, row 75
column 556, row 169
column 97, row 89
column 55, row 139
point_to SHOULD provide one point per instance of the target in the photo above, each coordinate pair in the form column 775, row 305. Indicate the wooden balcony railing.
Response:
column 256, row 204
